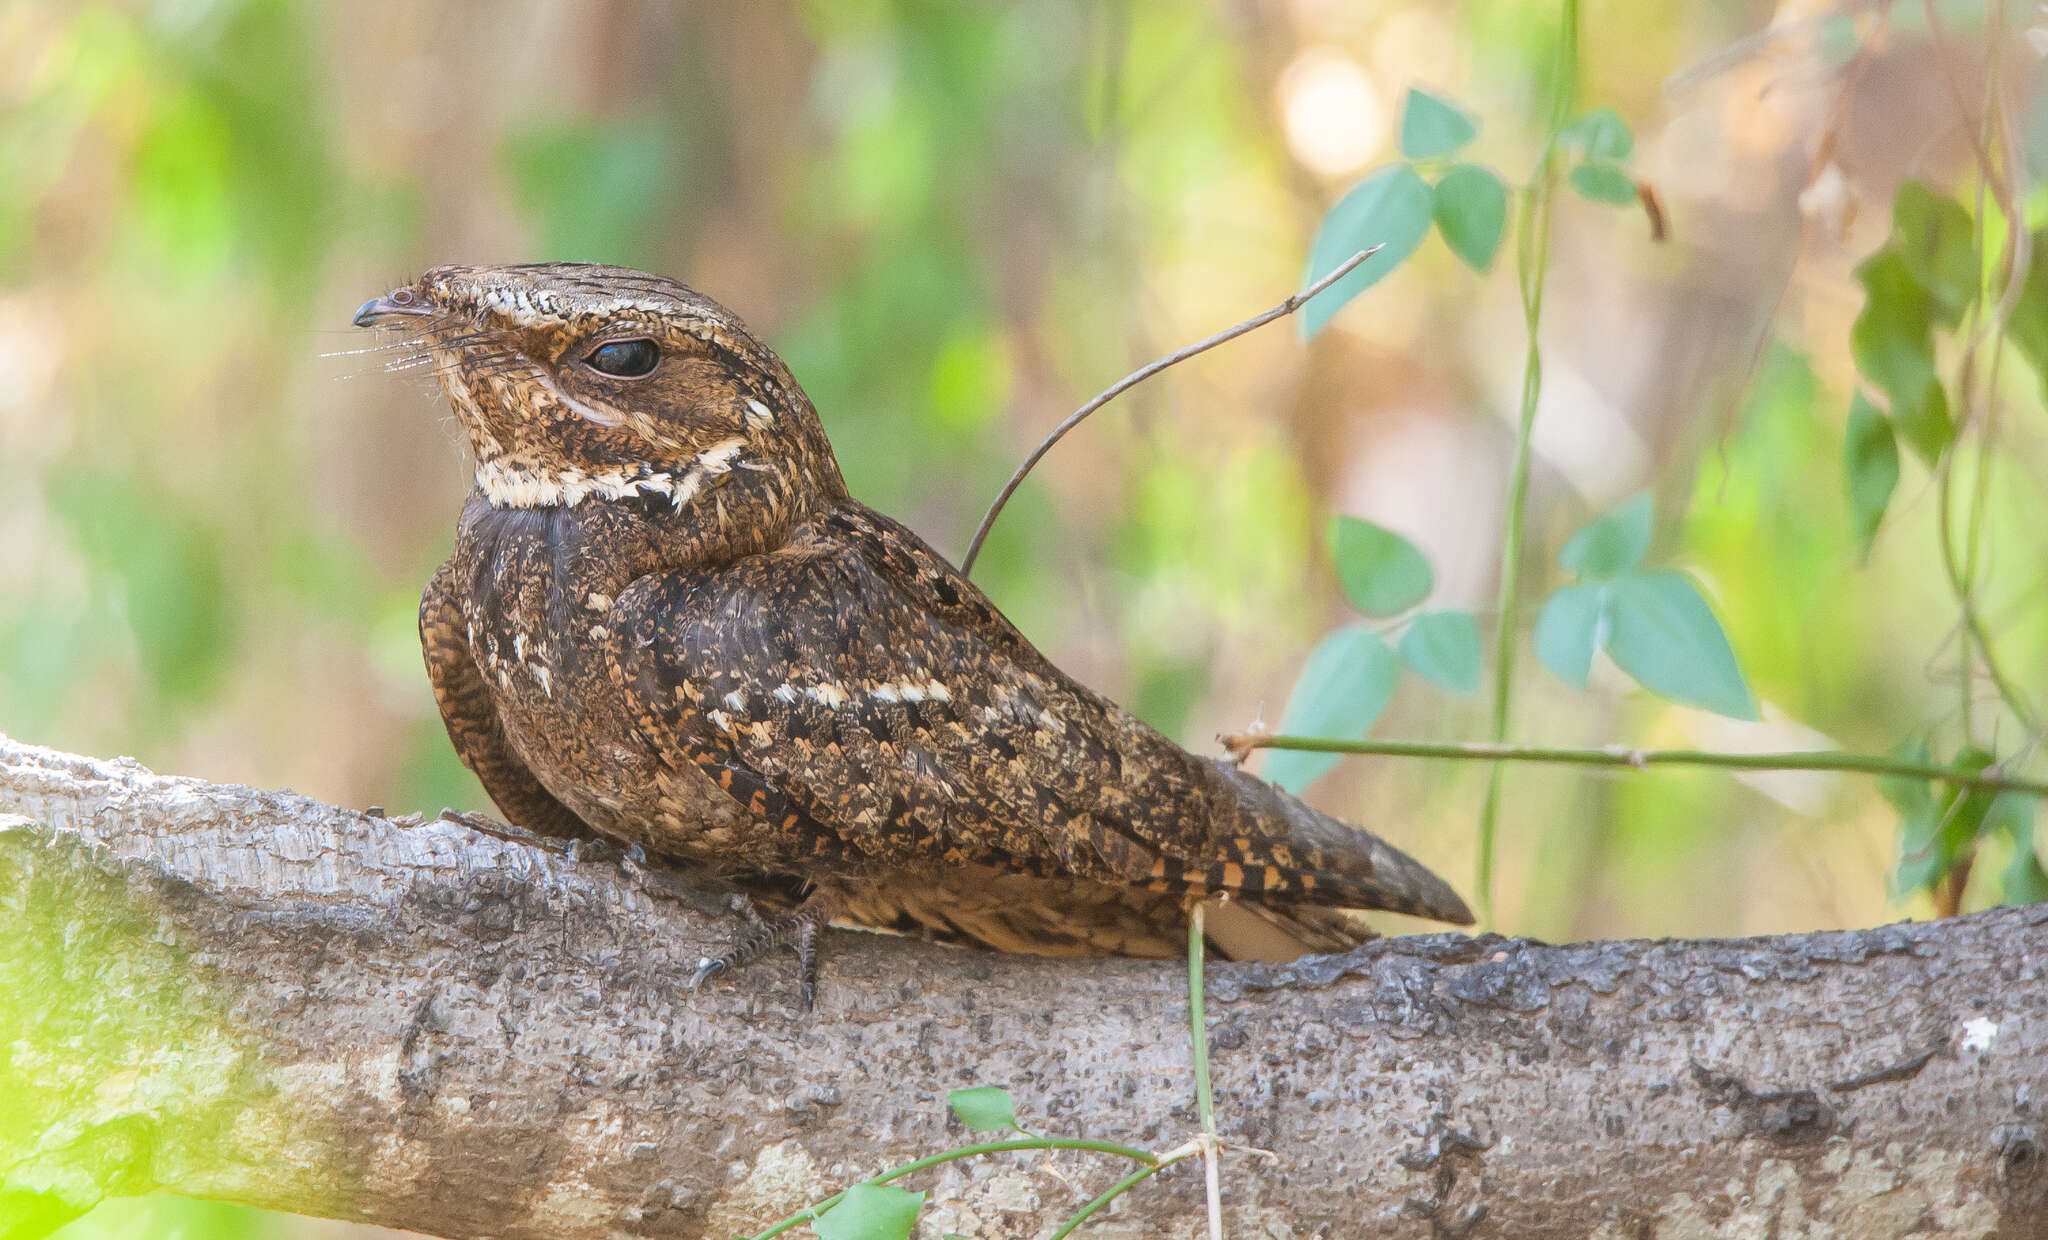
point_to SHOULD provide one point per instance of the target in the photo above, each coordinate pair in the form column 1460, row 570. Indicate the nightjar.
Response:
column 665, row 622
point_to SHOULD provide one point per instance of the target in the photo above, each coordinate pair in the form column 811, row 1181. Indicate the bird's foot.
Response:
column 798, row 930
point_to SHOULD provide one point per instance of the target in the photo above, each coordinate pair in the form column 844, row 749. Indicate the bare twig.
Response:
column 1205, row 1104
column 1971, row 125
column 1138, row 376
column 1993, row 777
column 1756, row 44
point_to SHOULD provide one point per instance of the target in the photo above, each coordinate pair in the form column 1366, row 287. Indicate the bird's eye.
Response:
column 624, row 359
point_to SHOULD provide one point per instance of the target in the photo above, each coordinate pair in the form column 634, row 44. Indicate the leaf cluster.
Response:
column 1395, row 206
column 1655, row 624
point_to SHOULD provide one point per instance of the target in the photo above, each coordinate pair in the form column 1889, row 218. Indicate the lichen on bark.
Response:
column 121, row 1072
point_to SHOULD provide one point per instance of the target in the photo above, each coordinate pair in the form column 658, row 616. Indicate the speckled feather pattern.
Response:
column 666, row 622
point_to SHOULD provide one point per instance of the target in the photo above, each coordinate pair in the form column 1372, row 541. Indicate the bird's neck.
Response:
column 623, row 522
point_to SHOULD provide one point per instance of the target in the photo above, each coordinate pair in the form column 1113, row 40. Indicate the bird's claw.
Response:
column 707, row 968
column 797, row 930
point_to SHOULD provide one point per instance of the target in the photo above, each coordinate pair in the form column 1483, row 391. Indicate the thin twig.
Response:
column 1971, row 125
column 1138, row 376
column 1205, row 1103
column 1752, row 46
column 1993, row 777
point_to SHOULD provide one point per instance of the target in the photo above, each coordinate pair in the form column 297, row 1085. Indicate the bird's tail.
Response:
column 1299, row 854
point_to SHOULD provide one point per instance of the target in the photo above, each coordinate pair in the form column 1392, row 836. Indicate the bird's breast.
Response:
column 541, row 597
column 538, row 606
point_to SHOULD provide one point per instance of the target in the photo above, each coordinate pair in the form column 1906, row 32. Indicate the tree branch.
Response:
column 253, row 996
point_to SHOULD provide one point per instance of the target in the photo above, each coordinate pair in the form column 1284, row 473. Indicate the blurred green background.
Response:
column 957, row 220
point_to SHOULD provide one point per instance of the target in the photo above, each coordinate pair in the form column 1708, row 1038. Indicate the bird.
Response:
column 666, row 624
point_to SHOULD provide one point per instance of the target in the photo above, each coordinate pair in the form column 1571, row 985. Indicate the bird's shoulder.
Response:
column 921, row 577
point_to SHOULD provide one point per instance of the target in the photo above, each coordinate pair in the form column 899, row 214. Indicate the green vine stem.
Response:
column 1992, row 777
column 1152, row 1162
column 1121, row 1187
column 1997, row 161
column 1205, row 1104
column 1532, row 260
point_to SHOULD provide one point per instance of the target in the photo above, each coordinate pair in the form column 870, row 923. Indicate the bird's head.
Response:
column 578, row 382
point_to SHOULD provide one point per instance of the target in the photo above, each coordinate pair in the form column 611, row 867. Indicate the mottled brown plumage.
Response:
column 667, row 623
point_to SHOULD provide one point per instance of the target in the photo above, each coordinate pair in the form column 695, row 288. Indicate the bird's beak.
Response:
column 392, row 308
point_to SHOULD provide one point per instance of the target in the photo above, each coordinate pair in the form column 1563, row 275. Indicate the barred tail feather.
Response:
column 1320, row 860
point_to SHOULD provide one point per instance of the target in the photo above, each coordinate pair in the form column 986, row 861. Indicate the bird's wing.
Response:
column 855, row 681
column 806, row 675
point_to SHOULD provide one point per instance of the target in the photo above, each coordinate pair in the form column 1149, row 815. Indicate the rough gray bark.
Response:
column 254, row 996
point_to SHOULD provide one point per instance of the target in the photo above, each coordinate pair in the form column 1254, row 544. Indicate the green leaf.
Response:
column 1662, row 632
column 1382, row 573
column 1612, row 544
column 1432, row 127
column 870, row 1211
column 1572, row 624
column 2028, row 326
column 1340, row 693
column 1893, row 343
column 1471, row 212
column 1602, row 135
column 1919, row 865
column 1936, row 832
column 1443, row 646
column 1937, row 241
column 2022, row 881
column 985, row 1108
column 1922, row 417
column 1603, row 183
column 1908, row 794
column 1971, row 807
column 1389, row 209
column 1870, row 461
